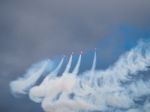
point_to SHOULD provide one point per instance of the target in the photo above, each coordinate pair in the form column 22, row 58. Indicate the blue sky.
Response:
column 31, row 31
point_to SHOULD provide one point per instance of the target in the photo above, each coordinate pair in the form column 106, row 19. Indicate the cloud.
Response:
column 96, row 90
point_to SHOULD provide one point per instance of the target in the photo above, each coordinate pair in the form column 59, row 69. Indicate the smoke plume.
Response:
column 123, row 87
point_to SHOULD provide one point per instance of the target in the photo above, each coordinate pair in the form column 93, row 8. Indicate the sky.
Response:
column 34, row 30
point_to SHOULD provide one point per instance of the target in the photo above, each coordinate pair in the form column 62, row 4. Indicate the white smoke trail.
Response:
column 76, row 70
column 22, row 84
column 91, row 76
column 35, row 93
column 58, row 67
column 94, row 63
column 116, row 89
column 68, row 65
